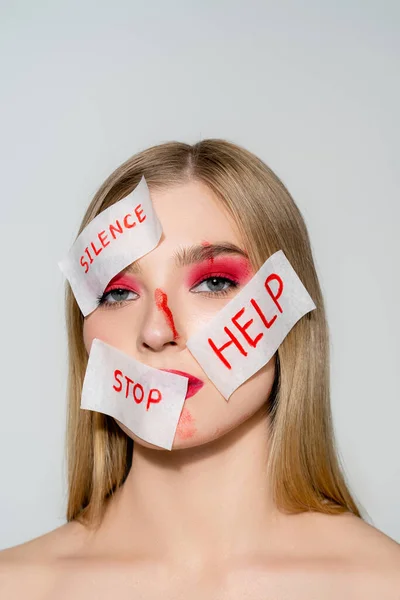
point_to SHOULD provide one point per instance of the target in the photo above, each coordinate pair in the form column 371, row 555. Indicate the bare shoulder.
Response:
column 28, row 570
column 340, row 554
column 58, row 543
column 361, row 538
column 363, row 552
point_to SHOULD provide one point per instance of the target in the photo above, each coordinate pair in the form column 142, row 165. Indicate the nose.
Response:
column 158, row 329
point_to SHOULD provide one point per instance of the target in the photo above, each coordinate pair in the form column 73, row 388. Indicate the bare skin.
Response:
column 198, row 521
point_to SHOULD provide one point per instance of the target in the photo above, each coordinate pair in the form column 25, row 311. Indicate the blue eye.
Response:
column 213, row 287
column 216, row 282
column 114, row 297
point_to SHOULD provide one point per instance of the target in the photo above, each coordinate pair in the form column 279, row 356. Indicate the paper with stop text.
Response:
column 247, row 332
column 113, row 240
column 146, row 400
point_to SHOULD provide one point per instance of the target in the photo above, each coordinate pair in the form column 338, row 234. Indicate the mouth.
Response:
column 194, row 384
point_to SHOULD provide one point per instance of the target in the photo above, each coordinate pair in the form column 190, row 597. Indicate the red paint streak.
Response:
column 186, row 428
column 236, row 268
column 122, row 281
column 161, row 299
column 211, row 258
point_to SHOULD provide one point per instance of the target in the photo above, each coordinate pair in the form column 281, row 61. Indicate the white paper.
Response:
column 229, row 367
column 113, row 240
column 147, row 400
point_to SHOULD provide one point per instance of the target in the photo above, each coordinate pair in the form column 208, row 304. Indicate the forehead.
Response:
column 191, row 213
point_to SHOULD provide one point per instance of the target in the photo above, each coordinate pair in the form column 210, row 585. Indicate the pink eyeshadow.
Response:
column 122, row 281
column 239, row 269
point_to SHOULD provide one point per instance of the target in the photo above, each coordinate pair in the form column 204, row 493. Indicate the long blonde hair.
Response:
column 304, row 467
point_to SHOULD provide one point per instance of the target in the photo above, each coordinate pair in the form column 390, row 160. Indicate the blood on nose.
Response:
column 161, row 299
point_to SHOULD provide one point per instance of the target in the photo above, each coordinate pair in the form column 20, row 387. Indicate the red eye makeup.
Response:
column 236, row 268
column 122, row 281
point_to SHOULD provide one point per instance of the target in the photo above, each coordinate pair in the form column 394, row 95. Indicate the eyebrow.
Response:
column 190, row 255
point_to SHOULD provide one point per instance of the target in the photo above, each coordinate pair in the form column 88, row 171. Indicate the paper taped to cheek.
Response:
column 247, row 332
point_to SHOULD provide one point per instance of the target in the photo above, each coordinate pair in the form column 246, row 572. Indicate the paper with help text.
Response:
column 113, row 240
column 247, row 332
column 146, row 400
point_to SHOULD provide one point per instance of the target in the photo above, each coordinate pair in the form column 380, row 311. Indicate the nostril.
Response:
column 152, row 347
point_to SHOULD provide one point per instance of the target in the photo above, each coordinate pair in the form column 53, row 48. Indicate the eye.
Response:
column 215, row 286
column 115, row 297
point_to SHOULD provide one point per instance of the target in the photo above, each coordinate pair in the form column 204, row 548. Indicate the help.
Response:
column 244, row 326
column 246, row 333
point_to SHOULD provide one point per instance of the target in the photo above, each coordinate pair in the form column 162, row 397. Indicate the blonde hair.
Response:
column 304, row 468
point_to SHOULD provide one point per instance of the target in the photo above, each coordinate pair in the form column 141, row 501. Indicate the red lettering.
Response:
column 154, row 400
column 137, row 211
column 218, row 351
column 128, row 381
column 242, row 329
column 280, row 288
column 88, row 253
column 129, row 226
column 84, row 264
column 137, row 390
column 262, row 316
column 137, row 385
column 116, row 227
column 95, row 249
column 100, row 236
column 116, row 373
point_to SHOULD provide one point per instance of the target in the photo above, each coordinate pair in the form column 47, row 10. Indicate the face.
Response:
column 154, row 306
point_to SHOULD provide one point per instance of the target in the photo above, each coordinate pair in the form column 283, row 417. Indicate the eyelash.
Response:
column 101, row 300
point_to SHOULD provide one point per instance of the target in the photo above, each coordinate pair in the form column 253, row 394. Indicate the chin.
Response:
column 186, row 435
column 196, row 439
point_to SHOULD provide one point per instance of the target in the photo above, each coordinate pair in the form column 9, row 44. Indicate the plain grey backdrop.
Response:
column 312, row 87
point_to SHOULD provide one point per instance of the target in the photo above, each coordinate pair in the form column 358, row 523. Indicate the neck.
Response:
column 208, row 502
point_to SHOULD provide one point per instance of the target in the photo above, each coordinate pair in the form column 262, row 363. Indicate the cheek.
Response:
column 95, row 327
column 88, row 333
column 186, row 427
column 111, row 329
column 254, row 392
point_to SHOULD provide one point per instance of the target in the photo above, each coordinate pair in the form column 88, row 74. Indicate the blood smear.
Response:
column 211, row 258
column 162, row 304
column 186, row 428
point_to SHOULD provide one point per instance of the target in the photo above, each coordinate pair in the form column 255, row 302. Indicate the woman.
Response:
column 251, row 501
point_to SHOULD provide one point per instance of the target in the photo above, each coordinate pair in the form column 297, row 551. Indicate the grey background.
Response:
column 312, row 87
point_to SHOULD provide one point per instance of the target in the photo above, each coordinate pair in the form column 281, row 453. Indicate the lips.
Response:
column 194, row 384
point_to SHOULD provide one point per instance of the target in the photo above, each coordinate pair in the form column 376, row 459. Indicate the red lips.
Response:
column 194, row 384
